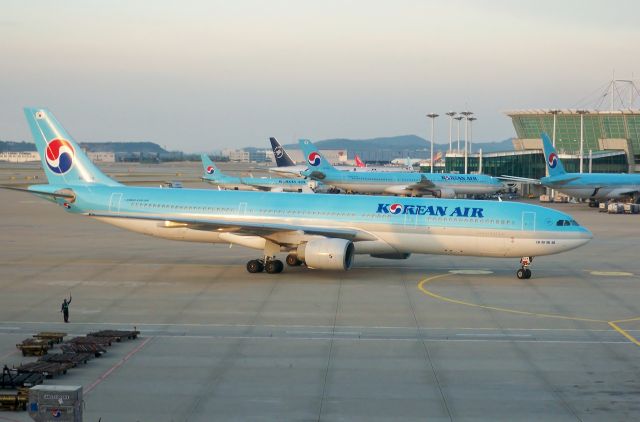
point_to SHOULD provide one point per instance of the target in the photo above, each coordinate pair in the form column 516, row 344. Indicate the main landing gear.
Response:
column 269, row 263
column 293, row 261
column 271, row 266
column 525, row 272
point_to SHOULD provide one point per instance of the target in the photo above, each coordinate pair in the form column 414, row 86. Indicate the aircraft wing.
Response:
column 263, row 188
column 563, row 181
column 315, row 174
column 243, row 227
column 508, row 178
column 424, row 184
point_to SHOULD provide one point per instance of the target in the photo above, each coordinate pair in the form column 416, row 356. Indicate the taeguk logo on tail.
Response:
column 553, row 160
column 210, row 170
column 314, row 158
column 60, row 155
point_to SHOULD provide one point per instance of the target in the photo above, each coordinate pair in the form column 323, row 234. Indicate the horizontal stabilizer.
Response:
column 62, row 193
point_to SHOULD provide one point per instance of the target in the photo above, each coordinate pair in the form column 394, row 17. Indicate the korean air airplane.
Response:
column 592, row 186
column 287, row 167
column 213, row 175
column 321, row 231
column 440, row 185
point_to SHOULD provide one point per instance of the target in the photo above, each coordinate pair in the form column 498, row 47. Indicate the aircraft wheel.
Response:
column 527, row 273
column 520, row 273
column 274, row 267
column 293, row 261
column 255, row 266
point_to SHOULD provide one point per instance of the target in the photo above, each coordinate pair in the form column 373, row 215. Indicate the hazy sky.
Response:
column 205, row 75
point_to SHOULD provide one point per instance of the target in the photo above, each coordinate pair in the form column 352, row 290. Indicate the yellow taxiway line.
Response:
column 612, row 324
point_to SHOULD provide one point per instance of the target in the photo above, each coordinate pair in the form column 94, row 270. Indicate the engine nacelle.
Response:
column 445, row 193
column 327, row 254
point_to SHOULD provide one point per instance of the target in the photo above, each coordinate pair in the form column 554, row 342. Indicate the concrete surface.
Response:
column 388, row 340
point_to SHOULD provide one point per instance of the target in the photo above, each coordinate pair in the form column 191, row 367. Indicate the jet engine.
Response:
column 327, row 254
column 445, row 193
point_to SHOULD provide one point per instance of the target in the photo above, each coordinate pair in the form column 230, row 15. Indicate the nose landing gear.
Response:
column 524, row 272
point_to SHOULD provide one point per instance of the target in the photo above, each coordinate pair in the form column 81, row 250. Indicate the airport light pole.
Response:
column 555, row 112
column 581, row 113
column 432, row 116
column 458, row 118
column 471, row 120
column 466, row 114
column 450, row 114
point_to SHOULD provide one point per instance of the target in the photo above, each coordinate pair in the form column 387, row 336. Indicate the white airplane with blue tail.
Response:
column 213, row 175
column 440, row 185
column 322, row 231
column 592, row 186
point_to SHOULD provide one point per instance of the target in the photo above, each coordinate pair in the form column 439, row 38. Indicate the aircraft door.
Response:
column 114, row 202
column 410, row 220
column 528, row 221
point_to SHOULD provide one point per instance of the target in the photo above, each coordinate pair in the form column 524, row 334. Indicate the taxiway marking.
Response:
column 612, row 324
column 116, row 366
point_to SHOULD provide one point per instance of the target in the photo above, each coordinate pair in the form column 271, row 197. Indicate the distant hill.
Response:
column 12, row 146
column 116, row 147
column 124, row 147
column 399, row 146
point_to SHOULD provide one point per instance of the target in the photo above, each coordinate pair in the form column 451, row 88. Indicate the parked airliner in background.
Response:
column 592, row 186
column 213, row 175
column 323, row 231
column 287, row 167
column 441, row 185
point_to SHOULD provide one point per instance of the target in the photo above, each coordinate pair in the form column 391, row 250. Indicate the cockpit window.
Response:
column 567, row 223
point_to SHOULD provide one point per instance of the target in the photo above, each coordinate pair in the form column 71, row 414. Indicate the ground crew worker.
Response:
column 65, row 308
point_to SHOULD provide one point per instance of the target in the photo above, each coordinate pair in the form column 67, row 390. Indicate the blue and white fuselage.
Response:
column 441, row 185
column 593, row 186
column 213, row 175
column 323, row 231
column 375, row 224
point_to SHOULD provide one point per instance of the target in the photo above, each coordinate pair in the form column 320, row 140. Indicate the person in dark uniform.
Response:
column 65, row 308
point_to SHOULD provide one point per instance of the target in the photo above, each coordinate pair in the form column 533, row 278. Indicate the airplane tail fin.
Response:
column 554, row 165
column 63, row 160
column 314, row 159
column 359, row 162
column 282, row 158
column 211, row 172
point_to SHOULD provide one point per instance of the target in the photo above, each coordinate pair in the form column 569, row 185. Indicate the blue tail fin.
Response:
column 211, row 172
column 282, row 158
column 63, row 160
column 313, row 158
column 554, row 165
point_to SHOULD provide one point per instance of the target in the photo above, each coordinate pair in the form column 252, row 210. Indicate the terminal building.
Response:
column 611, row 143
